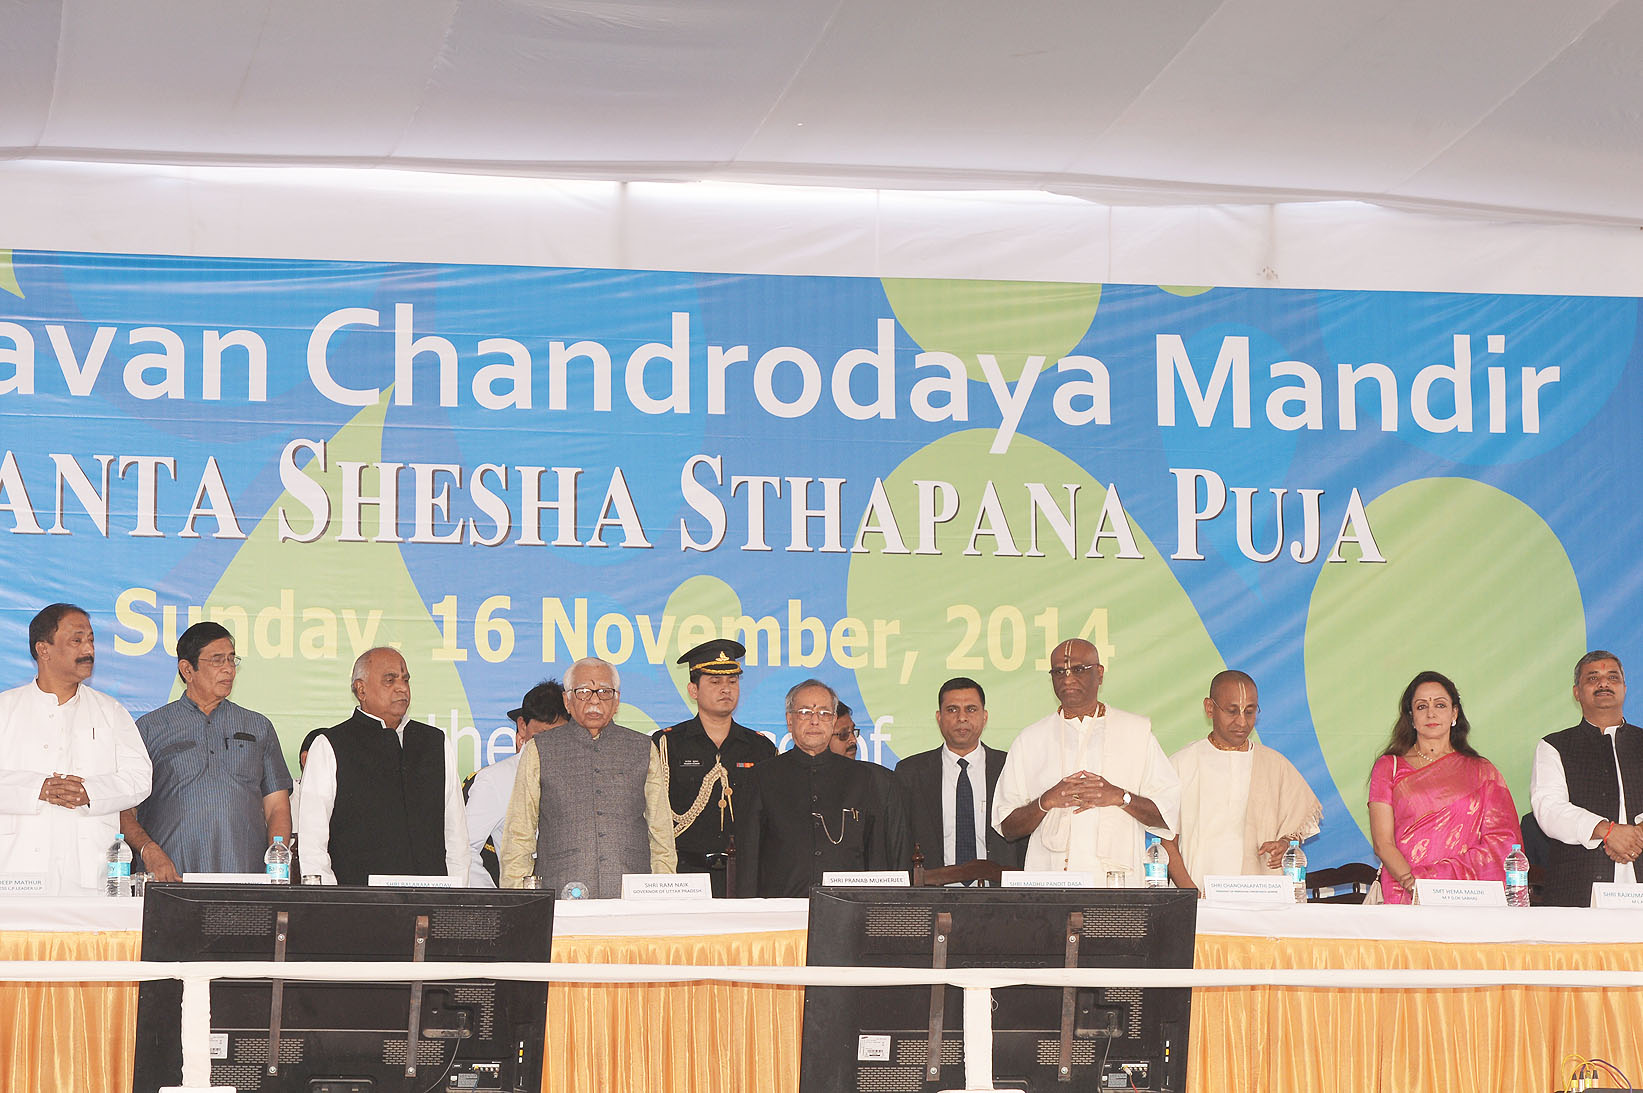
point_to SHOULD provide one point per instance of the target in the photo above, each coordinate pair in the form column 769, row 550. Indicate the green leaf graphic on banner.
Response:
column 995, row 618
column 1186, row 291
column 1451, row 546
column 1011, row 320
column 302, row 612
column 8, row 275
column 699, row 608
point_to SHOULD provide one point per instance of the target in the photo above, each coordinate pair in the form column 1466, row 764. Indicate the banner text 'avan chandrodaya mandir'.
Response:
column 879, row 483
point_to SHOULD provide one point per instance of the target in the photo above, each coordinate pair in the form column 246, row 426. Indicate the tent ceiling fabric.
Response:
column 1514, row 107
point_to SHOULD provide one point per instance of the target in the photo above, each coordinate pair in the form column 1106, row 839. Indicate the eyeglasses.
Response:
column 1071, row 670
column 588, row 694
column 1234, row 711
column 806, row 713
column 223, row 660
column 847, row 734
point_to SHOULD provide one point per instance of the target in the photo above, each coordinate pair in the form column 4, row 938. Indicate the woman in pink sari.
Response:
column 1437, row 808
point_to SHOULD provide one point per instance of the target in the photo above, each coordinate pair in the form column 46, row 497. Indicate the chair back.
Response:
column 986, row 873
column 1341, row 884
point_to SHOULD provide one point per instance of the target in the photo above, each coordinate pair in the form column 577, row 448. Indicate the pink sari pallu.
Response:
column 1453, row 820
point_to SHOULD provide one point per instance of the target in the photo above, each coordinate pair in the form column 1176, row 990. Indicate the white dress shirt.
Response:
column 1562, row 819
column 487, row 808
column 319, row 797
column 949, row 800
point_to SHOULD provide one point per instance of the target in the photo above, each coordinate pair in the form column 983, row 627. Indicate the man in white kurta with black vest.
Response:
column 380, row 792
column 1087, row 781
column 1586, row 789
column 590, row 798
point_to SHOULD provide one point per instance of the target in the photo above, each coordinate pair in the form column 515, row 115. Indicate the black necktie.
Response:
column 964, row 817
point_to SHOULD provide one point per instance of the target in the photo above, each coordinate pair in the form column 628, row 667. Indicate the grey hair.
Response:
column 588, row 662
column 1592, row 658
column 832, row 695
column 363, row 658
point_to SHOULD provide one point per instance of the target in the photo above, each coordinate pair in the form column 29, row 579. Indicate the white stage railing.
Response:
column 977, row 984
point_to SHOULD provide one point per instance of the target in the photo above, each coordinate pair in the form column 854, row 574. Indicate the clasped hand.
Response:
column 65, row 790
column 1624, row 843
column 1082, row 790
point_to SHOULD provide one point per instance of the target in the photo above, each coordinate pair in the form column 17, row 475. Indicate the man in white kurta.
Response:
column 1241, row 802
column 70, row 759
column 1086, row 782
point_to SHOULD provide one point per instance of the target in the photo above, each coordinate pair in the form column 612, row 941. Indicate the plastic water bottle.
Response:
column 574, row 890
column 278, row 861
column 1517, row 877
column 1295, row 869
column 1155, row 866
column 119, row 868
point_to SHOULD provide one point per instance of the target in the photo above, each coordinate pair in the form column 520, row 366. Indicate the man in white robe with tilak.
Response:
column 1241, row 801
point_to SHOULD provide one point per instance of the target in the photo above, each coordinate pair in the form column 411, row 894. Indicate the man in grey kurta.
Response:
column 590, row 798
column 221, row 790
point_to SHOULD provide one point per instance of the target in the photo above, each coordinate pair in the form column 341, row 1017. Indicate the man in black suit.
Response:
column 940, row 781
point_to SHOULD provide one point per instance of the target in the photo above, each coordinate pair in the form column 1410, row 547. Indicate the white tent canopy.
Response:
column 1477, row 145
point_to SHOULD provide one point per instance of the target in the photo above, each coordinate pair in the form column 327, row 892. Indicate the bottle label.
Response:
column 1517, row 878
column 279, row 871
column 119, row 869
column 1156, row 870
column 1295, row 873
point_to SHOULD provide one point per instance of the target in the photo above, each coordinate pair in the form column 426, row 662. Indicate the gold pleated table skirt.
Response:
column 706, row 1037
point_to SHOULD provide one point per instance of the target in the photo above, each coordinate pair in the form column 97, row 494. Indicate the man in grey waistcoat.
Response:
column 590, row 799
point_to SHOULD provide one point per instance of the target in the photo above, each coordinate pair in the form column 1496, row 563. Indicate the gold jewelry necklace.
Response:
column 1218, row 746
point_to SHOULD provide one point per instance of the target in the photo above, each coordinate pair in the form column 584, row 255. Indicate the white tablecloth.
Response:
column 684, row 918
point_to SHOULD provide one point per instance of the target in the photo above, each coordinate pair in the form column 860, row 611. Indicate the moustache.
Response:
column 86, row 660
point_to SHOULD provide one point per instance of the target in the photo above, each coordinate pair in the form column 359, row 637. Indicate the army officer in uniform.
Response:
column 708, row 759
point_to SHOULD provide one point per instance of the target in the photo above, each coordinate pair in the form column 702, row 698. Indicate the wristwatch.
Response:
column 1126, row 798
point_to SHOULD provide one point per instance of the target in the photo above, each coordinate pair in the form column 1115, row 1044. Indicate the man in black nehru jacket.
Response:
column 1587, row 788
column 380, row 794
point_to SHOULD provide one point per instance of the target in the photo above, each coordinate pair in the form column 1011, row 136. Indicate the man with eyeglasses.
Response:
column 1086, row 782
column 845, row 738
column 708, row 759
column 810, row 811
column 71, row 760
column 380, row 794
column 221, row 789
column 590, row 798
column 1241, row 802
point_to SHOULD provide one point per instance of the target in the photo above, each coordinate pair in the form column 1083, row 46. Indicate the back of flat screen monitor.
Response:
column 880, row 1037
column 285, row 1035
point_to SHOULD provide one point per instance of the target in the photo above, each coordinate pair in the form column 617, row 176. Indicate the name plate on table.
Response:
column 1460, row 893
column 22, row 884
column 225, row 878
column 1263, row 889
column 876, row 878
column 1022, row 878
column 667, row 886
column 408, row 880
column 1606, row 893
